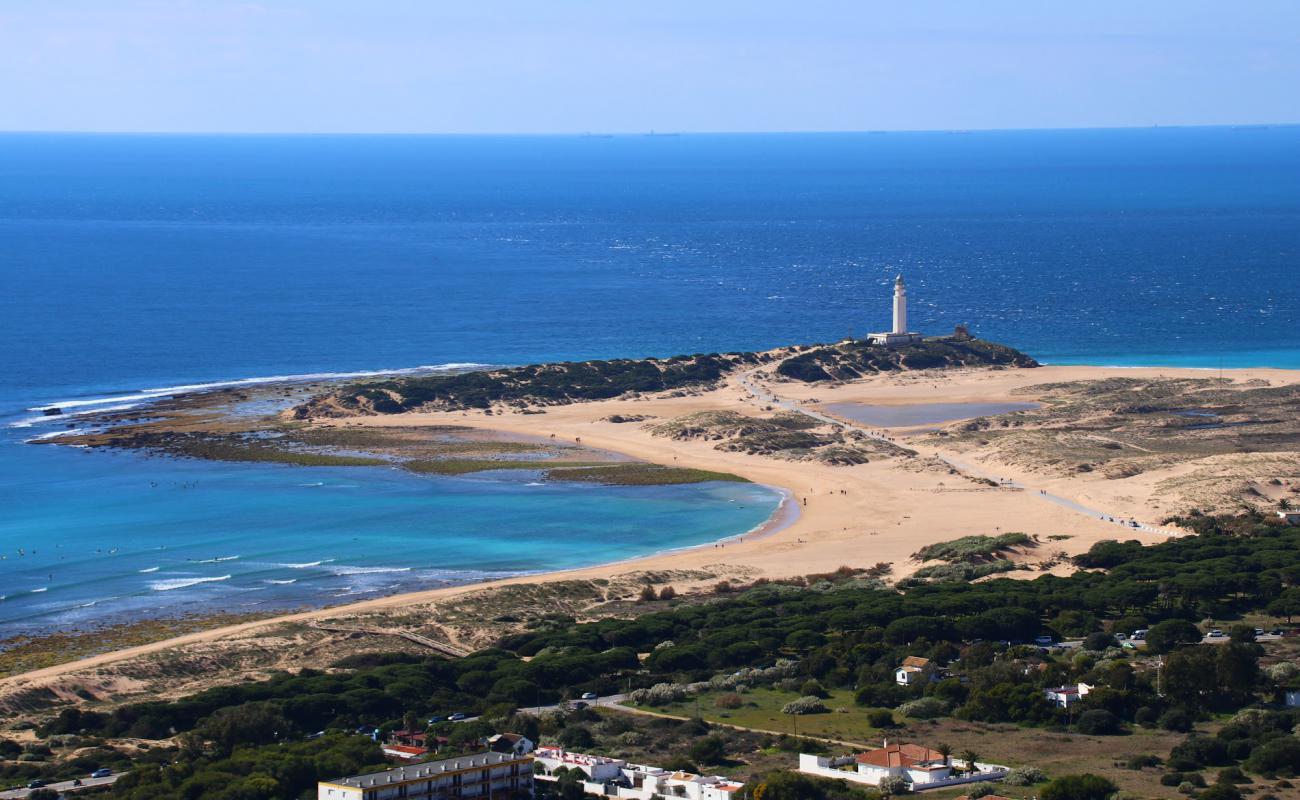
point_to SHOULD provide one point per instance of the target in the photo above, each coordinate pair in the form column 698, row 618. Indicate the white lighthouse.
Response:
column 900, row 335
column 900, row 305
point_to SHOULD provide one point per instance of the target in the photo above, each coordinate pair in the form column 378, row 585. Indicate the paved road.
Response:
column 64, row 786
column 765, row 395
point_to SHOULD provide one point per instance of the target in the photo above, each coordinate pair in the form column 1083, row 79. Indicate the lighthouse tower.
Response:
column 900, row 305
column 900, row 335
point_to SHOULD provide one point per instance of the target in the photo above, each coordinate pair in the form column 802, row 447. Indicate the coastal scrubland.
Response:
column 1174, row 711
column 1211, row 442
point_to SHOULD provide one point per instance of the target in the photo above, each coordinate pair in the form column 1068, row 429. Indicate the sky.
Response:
column 560, row 66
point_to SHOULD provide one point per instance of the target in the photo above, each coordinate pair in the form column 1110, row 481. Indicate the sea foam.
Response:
column 181, row 583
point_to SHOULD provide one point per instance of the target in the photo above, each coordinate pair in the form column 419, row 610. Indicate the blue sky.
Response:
column 506, row 66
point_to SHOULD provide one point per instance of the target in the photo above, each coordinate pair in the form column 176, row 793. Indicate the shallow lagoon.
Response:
column 906, row 416
column 91, row 537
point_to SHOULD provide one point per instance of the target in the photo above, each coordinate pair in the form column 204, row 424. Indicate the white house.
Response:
column 914, row 669
column 1066, row 696
column 515, row 743
column 610, row 777
column 920, row 767
column 1290, row 517
column 548, row 759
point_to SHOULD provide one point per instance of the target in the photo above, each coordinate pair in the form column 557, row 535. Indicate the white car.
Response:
column 589, row 696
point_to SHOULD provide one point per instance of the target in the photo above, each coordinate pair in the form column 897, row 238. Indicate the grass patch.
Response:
column 761, row 709
column 639, row 475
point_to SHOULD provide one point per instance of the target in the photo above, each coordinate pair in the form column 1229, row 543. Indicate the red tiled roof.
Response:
column 405, row 751
column 898, row 755
column 916, row 661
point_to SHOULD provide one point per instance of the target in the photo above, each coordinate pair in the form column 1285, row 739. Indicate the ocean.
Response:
column 136, row 263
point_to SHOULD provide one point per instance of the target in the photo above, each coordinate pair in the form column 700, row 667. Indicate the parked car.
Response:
column 102, row 772
column 434, row 720
column 1259, row 631
column 577, row 705
column 1215, row 633
column 589, row 696
column 1276, row 632
column 457, row 717
column 36, row 784
column 1044, row 640
column 1140, row 635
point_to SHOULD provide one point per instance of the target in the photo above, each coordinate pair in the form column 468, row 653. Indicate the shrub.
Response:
column 880, row 718
column 647, row 594
column 667, row 593
column 1279, row 755
column 1024, row 776
column 1220, row 791
column 709, row 750
column 1176, row 719
column 980, row 790
column 1078, row 787
column 1098, row 722
column 1232, row 775
column 924, row 708
column 805, row 705
column 892, row 785
column 1139, row 762
column 813, row 688
column 1171, row 779
column 729, row 700
column 1099, row 641
column 576, row 737
column 1283, row 671
column 1146, row 716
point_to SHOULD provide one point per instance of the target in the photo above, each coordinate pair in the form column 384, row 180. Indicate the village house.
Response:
column 514, row 743
column 610, row 777
column 1290, row 517
column 915, row 669
column 919, row 767
column 1066, row 696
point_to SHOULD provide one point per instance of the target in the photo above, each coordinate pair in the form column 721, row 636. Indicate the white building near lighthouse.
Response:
column 900, row 335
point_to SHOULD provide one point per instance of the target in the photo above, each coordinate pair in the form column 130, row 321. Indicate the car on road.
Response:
column 1214, row 633
column 577, row 705
column 102, row 772
column 36, row 784
column 589, row 696
column 1044, row 640
column 1276, row 632
column 457, row 717
column 435, row 720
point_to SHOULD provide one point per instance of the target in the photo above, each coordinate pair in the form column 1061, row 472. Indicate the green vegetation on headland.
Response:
column 857, row 359
column 832, row 637
column 537, row 384
column 571, row 382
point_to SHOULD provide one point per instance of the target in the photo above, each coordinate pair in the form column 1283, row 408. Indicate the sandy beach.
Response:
column 857, row 515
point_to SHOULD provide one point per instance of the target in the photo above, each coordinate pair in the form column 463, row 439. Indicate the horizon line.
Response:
column 648, row 133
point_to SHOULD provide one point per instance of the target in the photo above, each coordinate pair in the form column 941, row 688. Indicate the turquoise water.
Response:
column 133, row 263
column 95, row 536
